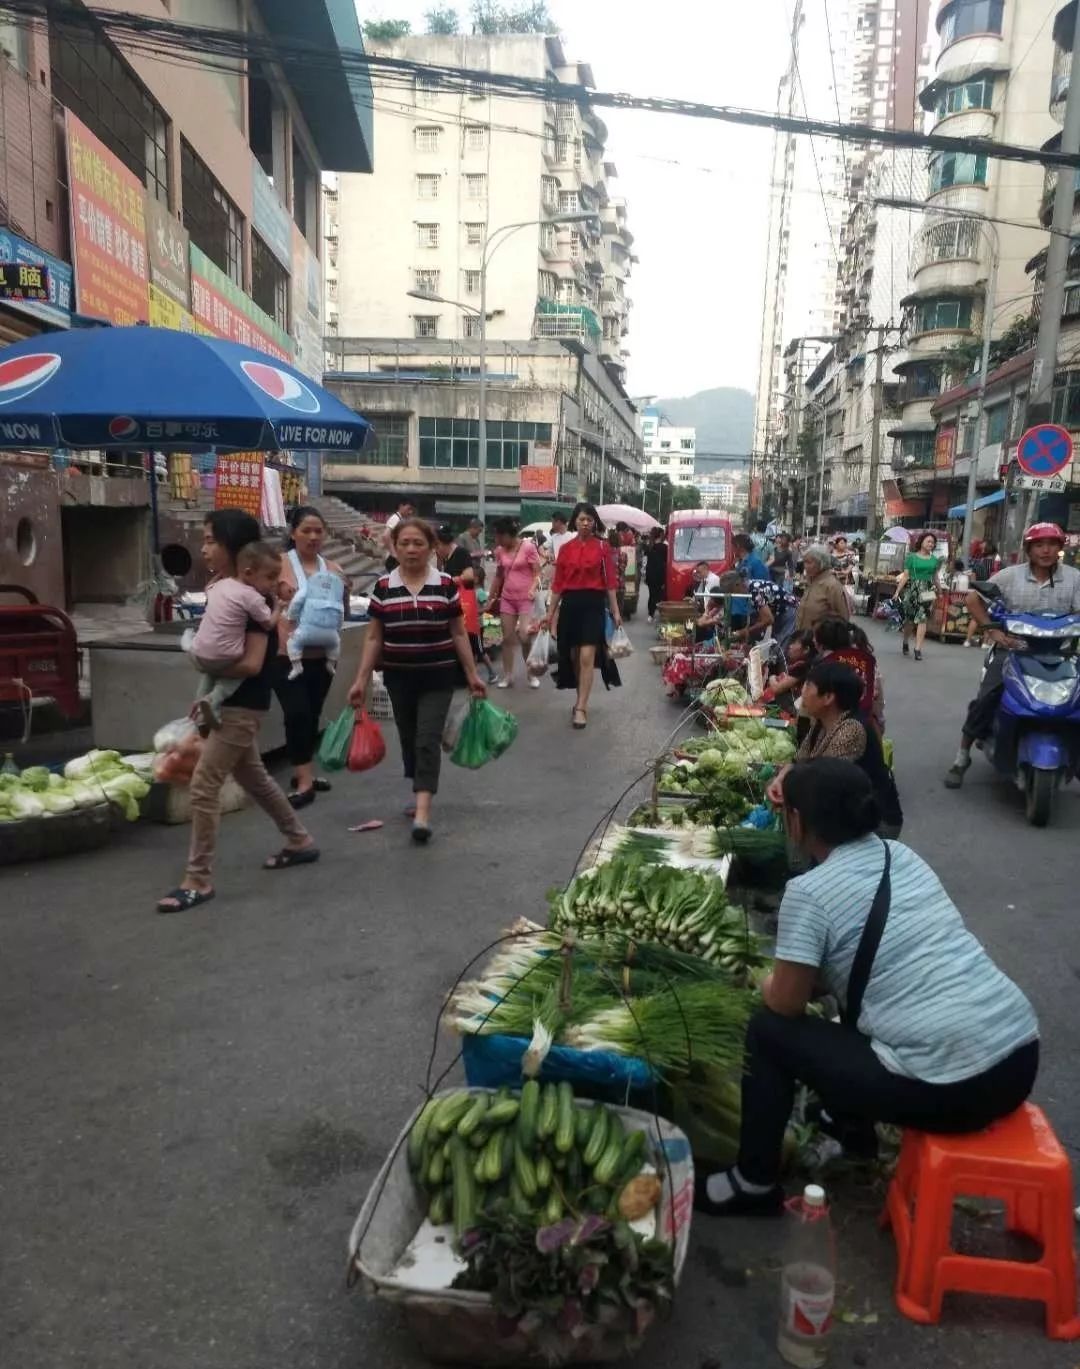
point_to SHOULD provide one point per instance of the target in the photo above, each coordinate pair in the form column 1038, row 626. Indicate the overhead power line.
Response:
column 303, row 62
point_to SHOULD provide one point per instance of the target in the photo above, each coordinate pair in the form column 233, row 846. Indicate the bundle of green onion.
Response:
column 688, row 1023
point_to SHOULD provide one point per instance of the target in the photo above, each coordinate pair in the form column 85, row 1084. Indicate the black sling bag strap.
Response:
column 869, row 942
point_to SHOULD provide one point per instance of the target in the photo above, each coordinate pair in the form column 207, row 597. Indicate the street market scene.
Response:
column 665, row 951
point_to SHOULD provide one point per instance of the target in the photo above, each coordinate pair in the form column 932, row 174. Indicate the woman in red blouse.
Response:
column 583, row 593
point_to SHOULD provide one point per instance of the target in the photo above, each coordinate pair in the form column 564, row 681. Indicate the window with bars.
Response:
column 388, row 446
column 568, row 202
column 472, row 282
column 470, row 325
column 92, row 79
column 269, row 283
column 454, row 443
column 546, row 285
column 210, row 217
column 425, row 279
column 549, row 191
column 477, row 90
column 427, row 187
column 425, row 325
column 427, row 235
column 475, row 186
column 427, row 90
column 427, row 138
column 475, row 137
column 547, row 237
column 474, row 234
column 575, row 246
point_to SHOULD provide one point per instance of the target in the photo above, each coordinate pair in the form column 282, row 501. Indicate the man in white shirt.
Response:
column 560, row 535
column 405, row 509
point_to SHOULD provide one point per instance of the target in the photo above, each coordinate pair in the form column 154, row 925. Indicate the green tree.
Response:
column 442, row 19
column 386, row 30
column 493, row 18
column 685, row 497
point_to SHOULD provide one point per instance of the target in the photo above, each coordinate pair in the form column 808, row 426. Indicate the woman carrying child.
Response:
column 232, row 748
column 302, row 695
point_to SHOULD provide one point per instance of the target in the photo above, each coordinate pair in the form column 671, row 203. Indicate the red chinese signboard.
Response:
column 108, row 230
column 240, row 482
column 538, row 480
column 944, row 449
column 221, row 309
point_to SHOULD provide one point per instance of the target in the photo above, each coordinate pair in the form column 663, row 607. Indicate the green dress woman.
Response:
column 915, row 591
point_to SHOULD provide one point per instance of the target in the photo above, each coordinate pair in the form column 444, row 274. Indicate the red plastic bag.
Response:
column 367, row 748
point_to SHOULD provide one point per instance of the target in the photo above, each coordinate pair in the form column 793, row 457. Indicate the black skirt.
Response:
column 583, row 622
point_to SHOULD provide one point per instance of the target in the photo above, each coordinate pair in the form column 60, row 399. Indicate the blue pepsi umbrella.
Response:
column 155, row 388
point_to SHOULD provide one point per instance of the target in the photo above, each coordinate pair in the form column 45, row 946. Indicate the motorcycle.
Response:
column 1036, row 735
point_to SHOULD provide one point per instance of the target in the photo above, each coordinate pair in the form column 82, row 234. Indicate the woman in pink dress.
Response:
column 517, row 579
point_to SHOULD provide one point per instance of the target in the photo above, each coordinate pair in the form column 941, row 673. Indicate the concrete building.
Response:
column 669, row 450
column 455, row 169
column 555, row 415
column 993, row 70
column 167, row 194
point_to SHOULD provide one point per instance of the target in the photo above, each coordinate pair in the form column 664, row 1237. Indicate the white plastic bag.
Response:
column 455, row 718
column 538, row 659
column 620, row 645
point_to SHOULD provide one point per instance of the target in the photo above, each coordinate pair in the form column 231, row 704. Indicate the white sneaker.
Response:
column 534, row 683
column 503, row 684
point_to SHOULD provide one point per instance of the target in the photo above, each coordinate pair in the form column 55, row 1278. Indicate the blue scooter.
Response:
column 1036, row 736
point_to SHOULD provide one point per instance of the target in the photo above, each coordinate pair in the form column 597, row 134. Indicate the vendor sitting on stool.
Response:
column 932, row 1034
column 743, row 627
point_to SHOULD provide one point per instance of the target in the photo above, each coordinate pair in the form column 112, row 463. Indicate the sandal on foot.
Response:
column 300, row 798
column 307, row 855
column 741, row 1203
column 421, row 833
column 320, row 785
column 579, row 713
column 184, row 899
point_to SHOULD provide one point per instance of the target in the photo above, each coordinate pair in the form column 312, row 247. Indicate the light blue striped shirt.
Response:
column 936, row 1008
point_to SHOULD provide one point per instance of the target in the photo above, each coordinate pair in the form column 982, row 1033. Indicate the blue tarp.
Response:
column 958, row 510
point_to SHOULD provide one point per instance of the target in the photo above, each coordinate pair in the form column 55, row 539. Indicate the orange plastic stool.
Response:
column 1018, row 1161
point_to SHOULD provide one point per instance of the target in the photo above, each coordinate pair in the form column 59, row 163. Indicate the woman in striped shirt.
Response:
column 417, row 635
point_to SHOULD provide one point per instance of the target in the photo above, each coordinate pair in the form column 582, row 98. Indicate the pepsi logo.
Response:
column 21, row 376
column 123, row 427
column 281, row 386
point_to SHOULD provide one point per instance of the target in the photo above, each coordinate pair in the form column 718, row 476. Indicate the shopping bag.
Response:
column 455, row 719
column 485, row 734
column 334, row 747
column 366, row 746
column 609, row 626
column 539, row 656
column 620, row 645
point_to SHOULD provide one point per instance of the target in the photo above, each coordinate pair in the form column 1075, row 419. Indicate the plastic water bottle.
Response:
column 9, row 767
column 808, row 1282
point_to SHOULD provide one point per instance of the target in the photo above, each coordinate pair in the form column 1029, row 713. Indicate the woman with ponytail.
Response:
column 931, row 1033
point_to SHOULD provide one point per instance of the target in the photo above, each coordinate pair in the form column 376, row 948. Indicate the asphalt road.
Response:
column 193, row 1107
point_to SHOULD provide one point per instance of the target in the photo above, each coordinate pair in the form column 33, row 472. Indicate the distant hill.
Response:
column 724, row 419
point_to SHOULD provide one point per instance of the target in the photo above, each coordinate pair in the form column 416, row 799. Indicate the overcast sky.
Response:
column 697, row 190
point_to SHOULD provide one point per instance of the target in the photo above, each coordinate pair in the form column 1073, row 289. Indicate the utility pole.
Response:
column 1057, row 265
column 872, row 529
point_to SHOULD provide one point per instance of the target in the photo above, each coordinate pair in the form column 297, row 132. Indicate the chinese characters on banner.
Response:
column 108, row 230
column 944, row 448
column 240, row 482
column 538, row 480
column 167, row 254
column 221, row 309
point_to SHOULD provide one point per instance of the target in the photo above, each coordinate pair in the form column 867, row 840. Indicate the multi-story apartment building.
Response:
column 992, row 74
column 669, row 450
column 174, row 195
column 472, row 184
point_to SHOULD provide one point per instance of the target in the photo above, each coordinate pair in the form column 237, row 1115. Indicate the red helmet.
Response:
column 1044, row 532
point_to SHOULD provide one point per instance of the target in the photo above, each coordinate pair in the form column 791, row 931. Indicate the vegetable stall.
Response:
column 541, row 1213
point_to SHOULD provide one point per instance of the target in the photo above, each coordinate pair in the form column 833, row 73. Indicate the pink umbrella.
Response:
column 638, row 519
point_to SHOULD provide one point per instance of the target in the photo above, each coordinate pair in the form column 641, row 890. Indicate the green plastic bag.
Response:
column 334, row 747
column 485, row 734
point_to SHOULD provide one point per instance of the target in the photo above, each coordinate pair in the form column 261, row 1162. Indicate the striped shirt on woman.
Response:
column 417, row 639
column 936, row 1006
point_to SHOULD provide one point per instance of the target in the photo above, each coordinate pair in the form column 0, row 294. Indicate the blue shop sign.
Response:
column 58, row 309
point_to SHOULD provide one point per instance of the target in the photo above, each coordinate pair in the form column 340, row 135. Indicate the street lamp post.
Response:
column 989, row 304
column 492, row 242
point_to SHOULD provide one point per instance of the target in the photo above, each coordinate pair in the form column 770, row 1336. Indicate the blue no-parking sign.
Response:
column 1044, row 450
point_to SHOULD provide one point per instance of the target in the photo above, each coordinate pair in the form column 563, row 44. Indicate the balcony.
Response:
column 1061, row 72
column 1050, row 180
column 573, row 322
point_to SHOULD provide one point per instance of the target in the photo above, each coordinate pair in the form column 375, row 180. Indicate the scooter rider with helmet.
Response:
column 1042, row 584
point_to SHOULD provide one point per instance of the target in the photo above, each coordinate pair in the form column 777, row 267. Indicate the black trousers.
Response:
column 656, row 593
column 420, row 715
column 979, row 722
column 840, row 1066
column 302, row 702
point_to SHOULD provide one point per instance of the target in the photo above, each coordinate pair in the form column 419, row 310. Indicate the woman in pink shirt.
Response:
column 517, row 579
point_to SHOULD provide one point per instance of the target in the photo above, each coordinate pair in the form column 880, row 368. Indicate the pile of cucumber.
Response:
column 544, row 1153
